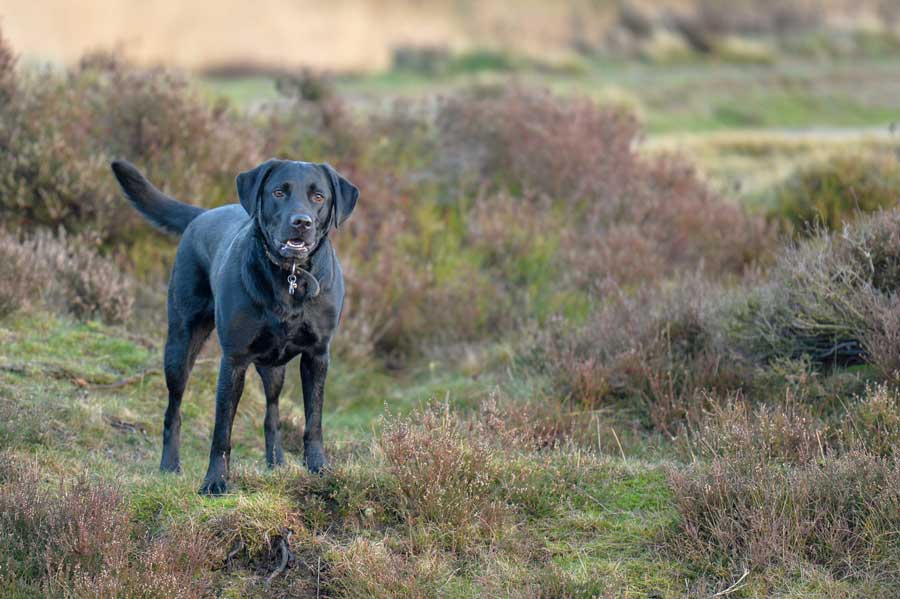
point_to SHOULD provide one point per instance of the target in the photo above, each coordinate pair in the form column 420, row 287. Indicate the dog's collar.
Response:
column 312, row 283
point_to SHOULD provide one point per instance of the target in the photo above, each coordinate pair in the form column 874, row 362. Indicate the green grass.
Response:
column 599, row 525
column 573, row 520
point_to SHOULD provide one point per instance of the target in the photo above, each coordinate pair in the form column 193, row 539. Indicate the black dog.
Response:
column 265, row 276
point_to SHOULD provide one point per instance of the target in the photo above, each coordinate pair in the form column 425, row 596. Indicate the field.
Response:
column 620, row 324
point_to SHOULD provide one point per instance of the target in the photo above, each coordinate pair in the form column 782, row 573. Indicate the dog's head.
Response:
column 296, row 203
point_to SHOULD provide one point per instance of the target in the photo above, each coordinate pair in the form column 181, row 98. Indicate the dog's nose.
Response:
column 301, row 221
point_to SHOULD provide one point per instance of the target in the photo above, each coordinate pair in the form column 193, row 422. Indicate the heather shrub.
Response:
column 444, row 473
column 584, row 158
column 7, row 71
column 784, row 432
column 839, row 513
column 834, row 193
column 313, row 123
column 658, row 349
column 158, row 120
column 64, row 272
column 563, row 147
column 872, row 421
column 829, row 298
column 414, row 279
column 51, row 175
column 80, row 280
column 62, row 129
column 22, row 274
column 76, row 539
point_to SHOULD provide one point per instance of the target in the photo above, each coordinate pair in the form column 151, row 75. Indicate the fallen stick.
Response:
column 285, row 555
column 118, row 384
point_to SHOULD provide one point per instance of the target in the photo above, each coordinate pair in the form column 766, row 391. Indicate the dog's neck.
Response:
column 290, row 281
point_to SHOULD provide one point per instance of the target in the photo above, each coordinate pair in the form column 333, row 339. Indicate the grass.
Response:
column 595, row 518
column 572, row 522
column 694, row 96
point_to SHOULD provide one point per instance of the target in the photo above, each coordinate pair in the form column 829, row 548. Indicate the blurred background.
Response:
column 623, row 289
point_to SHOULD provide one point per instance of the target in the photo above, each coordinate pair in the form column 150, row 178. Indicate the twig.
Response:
column 124, row 425
column 285, row 555
column 318, row 575
column 234, row 552
column 120, row 383
column 734, row 587
column 13, row 368
column 621, row 451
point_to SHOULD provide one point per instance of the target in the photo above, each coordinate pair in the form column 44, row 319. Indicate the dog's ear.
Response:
column 250, row 182
column 344, row 196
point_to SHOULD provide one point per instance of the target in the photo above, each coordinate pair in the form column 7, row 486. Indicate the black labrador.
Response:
column 264, row 275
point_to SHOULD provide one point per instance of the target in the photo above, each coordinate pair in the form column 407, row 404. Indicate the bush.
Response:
column 833, row 193
column 841, row 514
column 78, row 540
column 872, row 421
column 7, row 72
column 313, row 123
column 22, row 275
column 445, row 476
column 62, row 129
column 658, row 350
column 830, row 298
column 65, row 272
column 83, row 282
column 584, row 157
column 734, row 428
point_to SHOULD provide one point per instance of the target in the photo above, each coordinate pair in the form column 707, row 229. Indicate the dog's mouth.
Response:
column 295, row 246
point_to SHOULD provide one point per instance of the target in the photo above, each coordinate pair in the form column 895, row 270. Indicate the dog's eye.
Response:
column 318, row 197
column 278, row 193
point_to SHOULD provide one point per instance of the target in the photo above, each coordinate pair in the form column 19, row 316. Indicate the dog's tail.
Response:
column 163, row 212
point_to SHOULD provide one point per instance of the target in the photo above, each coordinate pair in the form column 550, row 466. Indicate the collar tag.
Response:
column 292, row 279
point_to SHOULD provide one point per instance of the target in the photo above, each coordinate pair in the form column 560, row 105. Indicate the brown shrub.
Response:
column 841, row 513
column 77, row 540
column 313, row 123
column 7, row 71
column 21, row 274
column 531, row 139
column 62, row 129
column 872, row 421
column 158, row 119
column 585, row 158
column 829, row 298
column 658, row 349
column 786, row 432
column 413, row 282
column 367, row 568
column 81, row 281
column 445, row 476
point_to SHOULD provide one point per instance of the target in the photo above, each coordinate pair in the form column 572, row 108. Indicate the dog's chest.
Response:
column 281, row 339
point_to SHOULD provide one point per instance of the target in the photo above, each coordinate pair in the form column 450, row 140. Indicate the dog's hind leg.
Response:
column 183, row 343
column 273, row 382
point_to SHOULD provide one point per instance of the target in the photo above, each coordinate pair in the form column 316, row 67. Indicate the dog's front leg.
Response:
column 228, row 394
column 313, row 370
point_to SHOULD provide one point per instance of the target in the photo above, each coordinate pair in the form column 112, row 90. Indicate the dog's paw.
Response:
column 314, row 456
column 275, row 461
column 170, row 465
column 211, row 488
